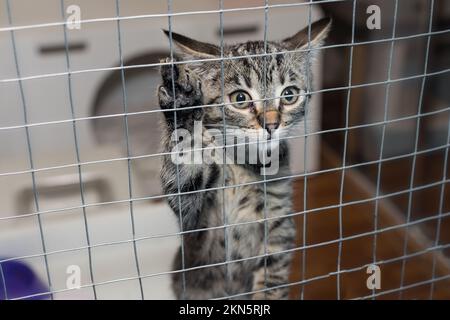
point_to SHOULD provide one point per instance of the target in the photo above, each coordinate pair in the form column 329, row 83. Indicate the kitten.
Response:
column 253, row 246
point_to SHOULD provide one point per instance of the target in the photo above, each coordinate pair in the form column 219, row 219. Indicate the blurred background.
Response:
column 81, row 175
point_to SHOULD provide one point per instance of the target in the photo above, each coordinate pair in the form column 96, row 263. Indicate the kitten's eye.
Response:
column 240, row 99
column 289, row 95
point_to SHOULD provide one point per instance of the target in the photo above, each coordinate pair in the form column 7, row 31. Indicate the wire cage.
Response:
column 82, row 212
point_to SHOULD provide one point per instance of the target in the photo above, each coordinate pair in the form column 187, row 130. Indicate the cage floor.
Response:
column 322, row 228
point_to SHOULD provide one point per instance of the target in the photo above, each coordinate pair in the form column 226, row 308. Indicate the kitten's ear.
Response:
column 191, row 48
column 319, row 31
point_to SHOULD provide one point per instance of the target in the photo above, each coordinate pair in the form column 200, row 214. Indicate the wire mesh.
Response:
column 435, row 246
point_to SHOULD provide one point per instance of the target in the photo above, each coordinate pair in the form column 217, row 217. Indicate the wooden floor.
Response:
column 322, row 226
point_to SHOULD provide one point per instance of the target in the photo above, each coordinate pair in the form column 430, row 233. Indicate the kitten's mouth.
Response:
column 274, row 135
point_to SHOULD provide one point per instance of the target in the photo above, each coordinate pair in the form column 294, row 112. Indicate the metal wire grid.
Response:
column 383, row 135
column 339, row 271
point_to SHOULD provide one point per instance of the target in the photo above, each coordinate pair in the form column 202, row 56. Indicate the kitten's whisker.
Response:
column 217, row 125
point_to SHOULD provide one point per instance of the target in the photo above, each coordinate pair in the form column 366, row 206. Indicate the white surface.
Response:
column 65, row 231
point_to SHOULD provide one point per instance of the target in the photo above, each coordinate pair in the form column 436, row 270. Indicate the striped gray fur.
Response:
column 198, row 84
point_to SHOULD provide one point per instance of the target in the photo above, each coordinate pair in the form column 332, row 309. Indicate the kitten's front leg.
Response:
column 181, row 90
column 187, row 94
column 275, row 271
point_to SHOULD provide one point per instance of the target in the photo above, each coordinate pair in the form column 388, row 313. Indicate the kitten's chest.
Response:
column 245, row 203
column 247, row 198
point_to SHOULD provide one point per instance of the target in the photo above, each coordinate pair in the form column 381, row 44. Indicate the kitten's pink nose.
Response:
column 271, row 121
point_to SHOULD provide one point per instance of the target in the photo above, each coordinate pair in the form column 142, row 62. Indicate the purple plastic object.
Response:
column 20, row 281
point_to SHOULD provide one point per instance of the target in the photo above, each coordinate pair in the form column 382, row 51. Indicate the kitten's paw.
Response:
column 188, row 91
column 259, row 296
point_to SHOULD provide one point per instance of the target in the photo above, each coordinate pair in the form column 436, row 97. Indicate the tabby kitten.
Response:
column 252, row 245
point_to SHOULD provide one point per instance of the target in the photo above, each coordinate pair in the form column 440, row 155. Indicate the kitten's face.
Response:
column 262, row 95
